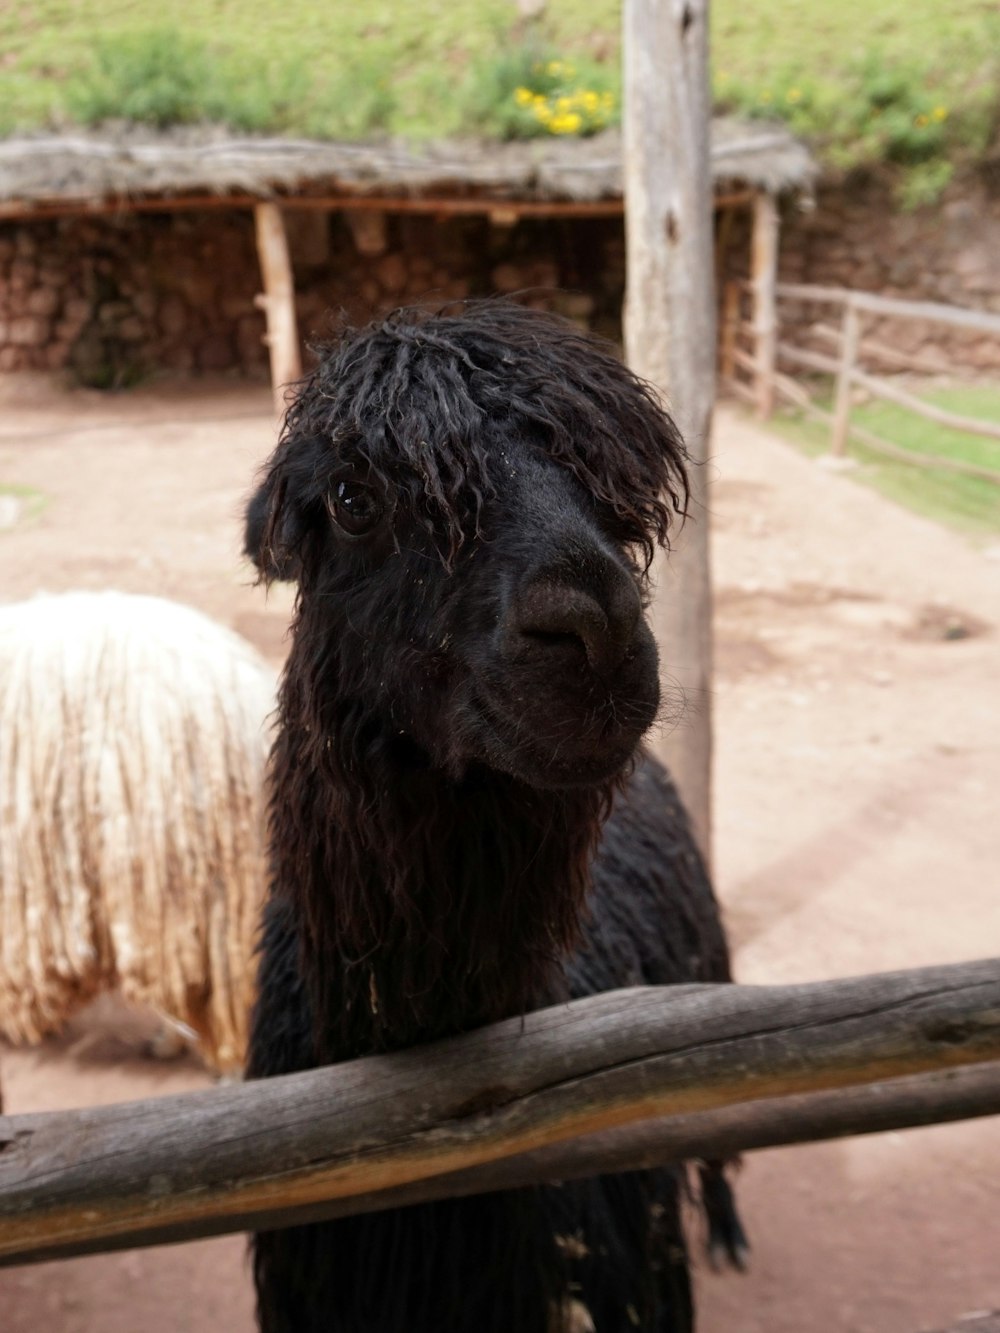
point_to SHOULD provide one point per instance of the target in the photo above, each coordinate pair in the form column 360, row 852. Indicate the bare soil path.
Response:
column 858, row 726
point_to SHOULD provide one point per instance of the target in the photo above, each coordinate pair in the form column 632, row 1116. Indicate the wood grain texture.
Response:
column 953, row 420
column 764, row 270
column 669, row 328
column 278, row 300
column 309, row 1144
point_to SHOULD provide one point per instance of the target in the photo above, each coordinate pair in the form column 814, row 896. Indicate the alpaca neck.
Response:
column 426, row 906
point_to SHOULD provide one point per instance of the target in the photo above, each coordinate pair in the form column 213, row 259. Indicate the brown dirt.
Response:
column 858, row 764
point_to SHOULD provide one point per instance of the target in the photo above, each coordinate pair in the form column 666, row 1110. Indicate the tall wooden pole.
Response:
column 670, row 340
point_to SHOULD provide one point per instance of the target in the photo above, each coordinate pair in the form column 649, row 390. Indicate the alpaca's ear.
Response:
column 271, row 532
column 287, row 506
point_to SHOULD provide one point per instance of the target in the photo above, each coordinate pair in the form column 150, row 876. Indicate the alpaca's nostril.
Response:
column 555, row 617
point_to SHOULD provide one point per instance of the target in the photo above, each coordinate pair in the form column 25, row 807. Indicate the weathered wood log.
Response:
column 669, row 326
column 874, row 347
column 270, row 1153
column 920, row 1100
column 878, row 445
column 893, row 394
column 850, row 334
column 801, row 356
column 764, row 276
column 437, row 205
column 792, row 390
column 731, row 301
column 278, row 300
column 930, row 312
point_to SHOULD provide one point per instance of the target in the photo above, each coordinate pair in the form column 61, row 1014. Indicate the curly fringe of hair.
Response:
column 415, row 397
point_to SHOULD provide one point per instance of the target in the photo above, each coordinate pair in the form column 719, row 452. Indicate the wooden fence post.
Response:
column 850, row 334
column 731, row 299
column 278, row 299
column 764, row 262
column 670, row 339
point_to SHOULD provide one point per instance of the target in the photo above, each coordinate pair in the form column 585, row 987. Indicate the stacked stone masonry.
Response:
column 859, row 238
column 109, row 301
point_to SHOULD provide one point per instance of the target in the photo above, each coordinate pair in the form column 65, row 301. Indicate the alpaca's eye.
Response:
column 355, row 507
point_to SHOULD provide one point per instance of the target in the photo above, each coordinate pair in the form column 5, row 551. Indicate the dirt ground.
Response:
column 858, row 733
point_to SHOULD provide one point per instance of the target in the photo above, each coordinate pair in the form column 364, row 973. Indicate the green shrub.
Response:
column 157, row 77
column 360, row 99
column 161, row 77
column 879, row 109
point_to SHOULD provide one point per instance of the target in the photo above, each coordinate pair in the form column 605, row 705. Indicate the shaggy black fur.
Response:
column 460, row 830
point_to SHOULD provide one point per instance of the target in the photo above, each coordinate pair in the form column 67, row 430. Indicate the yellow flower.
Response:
column 567, row 123
column 523, row 96
column 939, row 113
column 591, row 101
column 554, row 67
column 793, row 95
column 539, row 99
column 563, row 104
column 543, row 111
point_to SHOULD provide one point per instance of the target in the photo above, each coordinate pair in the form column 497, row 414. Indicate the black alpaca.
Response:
column 463, row 827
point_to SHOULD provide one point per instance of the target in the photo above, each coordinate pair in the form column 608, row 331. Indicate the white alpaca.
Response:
column 133, row 741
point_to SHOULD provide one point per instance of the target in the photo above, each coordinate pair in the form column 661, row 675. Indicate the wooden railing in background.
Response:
column 750, row 365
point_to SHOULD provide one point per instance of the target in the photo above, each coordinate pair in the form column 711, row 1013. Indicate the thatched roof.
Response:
column 88, row 168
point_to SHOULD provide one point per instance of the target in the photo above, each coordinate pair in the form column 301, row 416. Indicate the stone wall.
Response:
column 949, row 252
column 107, row 301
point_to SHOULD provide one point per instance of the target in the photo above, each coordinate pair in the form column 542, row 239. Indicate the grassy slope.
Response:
column 761, row 47
column 324, row 58
column 763, row 35
column 967, row 503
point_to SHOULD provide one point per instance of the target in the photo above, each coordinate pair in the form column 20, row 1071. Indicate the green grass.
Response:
column 915, row 83
column 969, row 504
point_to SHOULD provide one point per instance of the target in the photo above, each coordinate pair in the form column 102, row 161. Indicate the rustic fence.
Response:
column 565, row 1092
column 751, row 358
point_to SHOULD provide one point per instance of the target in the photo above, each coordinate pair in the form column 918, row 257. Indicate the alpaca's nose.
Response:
column 551, row 613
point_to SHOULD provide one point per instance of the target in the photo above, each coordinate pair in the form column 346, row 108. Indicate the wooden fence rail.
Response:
column 743, row 348
column 929, row 312
column 499, row 1107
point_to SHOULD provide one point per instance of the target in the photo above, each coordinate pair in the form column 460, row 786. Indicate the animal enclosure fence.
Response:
column 566, row 1092
column 750, row 364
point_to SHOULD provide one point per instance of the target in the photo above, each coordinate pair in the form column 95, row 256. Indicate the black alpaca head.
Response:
column 469, row 502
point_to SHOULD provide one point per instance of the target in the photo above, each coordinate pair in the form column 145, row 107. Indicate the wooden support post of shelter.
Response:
column 278, row 299
column 731, row 300
column 670, row 337
column 849, row 340
column 764, row 279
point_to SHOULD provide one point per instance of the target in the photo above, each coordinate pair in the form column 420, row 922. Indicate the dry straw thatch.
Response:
column 131, row 163
column 133, row 743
